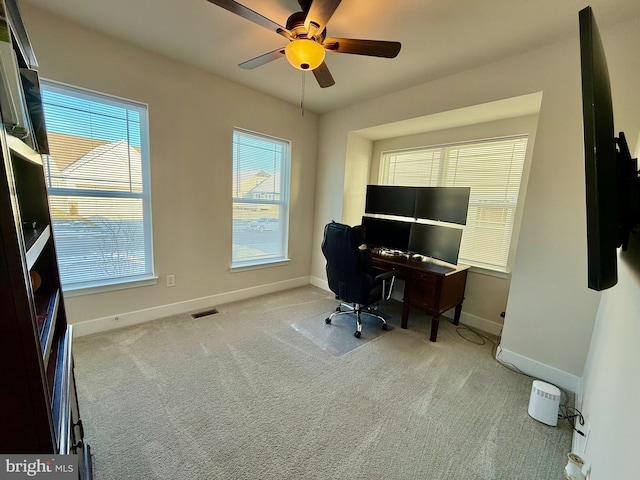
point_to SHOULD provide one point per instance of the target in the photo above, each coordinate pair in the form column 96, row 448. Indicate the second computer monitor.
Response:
column 391, row 200
column 443, row 204
column 390, row 234
column 435, row 241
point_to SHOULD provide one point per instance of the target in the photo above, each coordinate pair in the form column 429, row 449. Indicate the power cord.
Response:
column 571, row 413
column 566, row 412
column 513, row 368
column 483, row 339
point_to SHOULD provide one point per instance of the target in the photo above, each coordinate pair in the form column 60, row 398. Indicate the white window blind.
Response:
column 99, row 186
column 260, row 193
column 492, row 168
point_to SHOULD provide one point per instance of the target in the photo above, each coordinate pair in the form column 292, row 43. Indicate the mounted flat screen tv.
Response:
column 444, row 204
column 391, row 200
column 435, row 241
column 384, row 233
column 611, row 175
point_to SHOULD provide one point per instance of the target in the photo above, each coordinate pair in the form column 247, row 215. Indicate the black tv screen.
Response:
column 435, row 241
column 444, row 204
column 390, row 200
column 602, row 200
column 384, row 233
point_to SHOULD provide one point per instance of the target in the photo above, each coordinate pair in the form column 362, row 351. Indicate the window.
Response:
column 493, row 170
column 260, row 198
column 98, row 180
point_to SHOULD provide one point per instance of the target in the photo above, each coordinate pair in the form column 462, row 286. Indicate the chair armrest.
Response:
column 385, row 275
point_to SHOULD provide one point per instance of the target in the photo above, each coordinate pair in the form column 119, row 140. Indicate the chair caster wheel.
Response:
column 357, row 334
column 337, row 309
column 384, row 326
column 327, row 320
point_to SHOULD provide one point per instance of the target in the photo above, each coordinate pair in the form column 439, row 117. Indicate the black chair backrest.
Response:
column 348, row 273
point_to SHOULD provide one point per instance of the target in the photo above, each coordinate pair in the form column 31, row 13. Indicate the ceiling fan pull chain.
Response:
column 302, row 95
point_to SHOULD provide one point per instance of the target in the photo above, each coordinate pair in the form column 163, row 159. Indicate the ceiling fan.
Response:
column 308, row 41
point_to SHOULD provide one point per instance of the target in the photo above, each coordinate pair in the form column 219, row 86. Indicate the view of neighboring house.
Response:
column 83, row 164
column 255, row 185
column 95, row 194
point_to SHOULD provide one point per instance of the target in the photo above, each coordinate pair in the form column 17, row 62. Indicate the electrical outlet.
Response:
column 171, row 280
column 587, row 432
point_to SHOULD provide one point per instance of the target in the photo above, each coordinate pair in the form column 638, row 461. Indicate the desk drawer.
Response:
column 426, row 279
column 421, row 290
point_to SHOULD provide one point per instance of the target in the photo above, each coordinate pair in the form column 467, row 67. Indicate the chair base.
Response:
column 358, row 310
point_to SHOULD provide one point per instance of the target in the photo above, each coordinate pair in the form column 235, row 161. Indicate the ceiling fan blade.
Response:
column 323, row 76
column 319, row 14
column 373, row 48
column 255, row 17
column 262, row 59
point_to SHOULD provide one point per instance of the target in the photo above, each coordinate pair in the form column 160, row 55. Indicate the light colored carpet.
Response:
column 244, row 395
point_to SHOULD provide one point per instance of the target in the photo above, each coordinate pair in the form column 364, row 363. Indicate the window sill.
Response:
column 489, row 272
column 70, row 292
column 255, row 265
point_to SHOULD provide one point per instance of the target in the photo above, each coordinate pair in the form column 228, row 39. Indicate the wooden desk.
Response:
column 430, row 286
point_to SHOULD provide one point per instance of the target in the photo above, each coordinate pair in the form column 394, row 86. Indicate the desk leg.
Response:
column 405, row 314
column 435, row 323
column 456, row 316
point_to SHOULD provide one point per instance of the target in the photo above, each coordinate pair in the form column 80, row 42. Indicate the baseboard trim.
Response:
column 320, row 283
column 480, row 323
column 104, row 324
column 539, row 370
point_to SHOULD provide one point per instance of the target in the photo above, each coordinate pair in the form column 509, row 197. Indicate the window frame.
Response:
column 282, row 257
column 114, row 282
column 443, row 149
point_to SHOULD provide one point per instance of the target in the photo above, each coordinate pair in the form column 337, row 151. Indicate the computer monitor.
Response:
column 435, row 241
column 443, row 204
column 391, row 200
column 384, row 233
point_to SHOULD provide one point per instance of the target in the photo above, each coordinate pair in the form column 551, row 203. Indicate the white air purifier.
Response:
column 544, row 402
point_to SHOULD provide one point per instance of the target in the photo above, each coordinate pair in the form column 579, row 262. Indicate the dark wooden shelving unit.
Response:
column 39, row 410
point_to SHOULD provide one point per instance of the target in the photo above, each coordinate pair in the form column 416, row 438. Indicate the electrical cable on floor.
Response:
column 483, row 339
column 566, row 412
column 571, row 413
column 513, row 368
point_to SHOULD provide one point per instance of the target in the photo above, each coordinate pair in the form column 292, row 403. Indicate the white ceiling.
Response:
column 439, row 37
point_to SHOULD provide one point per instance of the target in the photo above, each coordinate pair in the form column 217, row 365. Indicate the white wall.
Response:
column 359, row 152
column 611, row 382
column 550, row 311
column 191, row 115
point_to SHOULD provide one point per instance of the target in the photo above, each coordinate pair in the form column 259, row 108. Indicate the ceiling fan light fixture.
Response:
column 304, row 54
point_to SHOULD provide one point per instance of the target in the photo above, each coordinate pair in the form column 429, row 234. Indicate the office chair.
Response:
column 350, row 275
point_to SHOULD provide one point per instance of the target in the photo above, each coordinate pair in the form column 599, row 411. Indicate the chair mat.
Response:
column 337, row 337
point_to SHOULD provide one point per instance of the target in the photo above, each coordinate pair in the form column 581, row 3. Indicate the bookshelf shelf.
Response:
column 35, row 241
